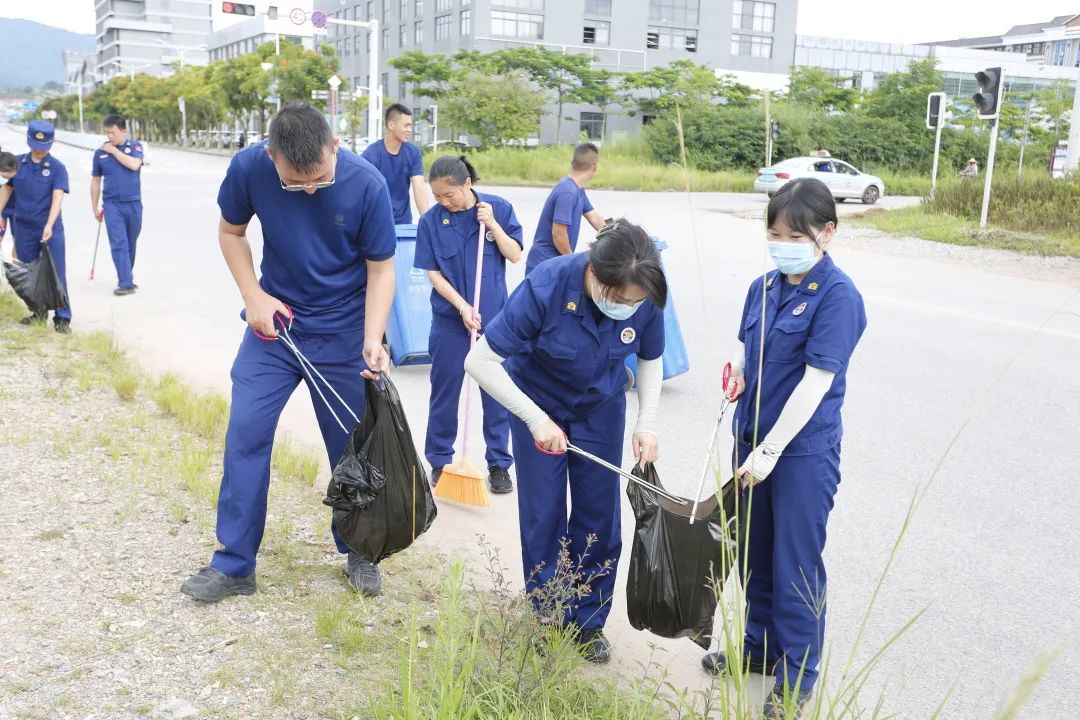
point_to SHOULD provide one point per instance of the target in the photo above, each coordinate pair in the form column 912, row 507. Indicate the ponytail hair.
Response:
column 456, row 170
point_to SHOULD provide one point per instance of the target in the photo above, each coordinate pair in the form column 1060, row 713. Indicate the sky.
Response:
column 907, row 21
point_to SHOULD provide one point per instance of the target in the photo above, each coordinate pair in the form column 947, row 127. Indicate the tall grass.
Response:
column 1031, row 205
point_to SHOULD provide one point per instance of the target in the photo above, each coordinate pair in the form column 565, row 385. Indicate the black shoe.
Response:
column 125, row 290
column 594, row 647
column 715, row 663
column 363, row 575
column 500, row 481
column 776, row 709
column 62, row 326
column 37, row 318
column 211, row 585
column 436, row 473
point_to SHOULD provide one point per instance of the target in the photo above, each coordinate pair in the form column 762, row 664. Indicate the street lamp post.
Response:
column 79, row 87
column 435, row 128
column 376, row 90
column 181, row 49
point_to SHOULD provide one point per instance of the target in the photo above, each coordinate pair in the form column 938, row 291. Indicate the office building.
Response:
column 1054, row 42
column 243, row 37
column 148, row 36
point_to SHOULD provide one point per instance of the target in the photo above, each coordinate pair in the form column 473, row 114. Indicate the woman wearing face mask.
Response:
column 554, row 357
column 813, row 319
column 446, row 241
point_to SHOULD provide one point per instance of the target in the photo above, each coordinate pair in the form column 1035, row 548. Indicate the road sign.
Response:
column 180, row 102
column 298, row 16
column 318, row 19
column 334, row 82
column 320, row 94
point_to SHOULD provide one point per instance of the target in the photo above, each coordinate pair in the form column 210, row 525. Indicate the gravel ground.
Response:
column 98, row 539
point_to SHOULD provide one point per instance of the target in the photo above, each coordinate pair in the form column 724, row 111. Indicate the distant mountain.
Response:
column 31, row 53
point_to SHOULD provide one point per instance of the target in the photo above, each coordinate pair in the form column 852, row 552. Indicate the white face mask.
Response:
column 3, row 181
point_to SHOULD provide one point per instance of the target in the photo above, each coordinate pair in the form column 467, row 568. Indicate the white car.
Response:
column 842, row 179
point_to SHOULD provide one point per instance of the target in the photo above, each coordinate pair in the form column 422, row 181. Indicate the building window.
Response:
column 385, row 12
column 596, row 32
column 442, row 27
column 756, row 16
column 370, row 9
column 403, row 36
column 598, row 7
column 674, row 11
column 386, row 39
column 419, row 8
column 402, row 89
column 442, row 5
column 466, row 23
column 418, row 33
column 667, row 38
column 592, row 124
column 514, row 24
column 403, row 8
column 521, row 4
column 356, row 45
column 751, row 46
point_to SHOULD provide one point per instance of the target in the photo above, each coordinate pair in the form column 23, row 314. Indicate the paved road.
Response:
column 991, row 553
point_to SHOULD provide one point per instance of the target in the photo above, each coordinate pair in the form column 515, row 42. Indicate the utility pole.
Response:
column 435, row 125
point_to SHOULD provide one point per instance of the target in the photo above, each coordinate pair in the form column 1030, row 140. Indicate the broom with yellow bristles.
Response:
column 461, row 482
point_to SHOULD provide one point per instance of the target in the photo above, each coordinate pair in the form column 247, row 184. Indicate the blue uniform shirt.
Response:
column 399, row 170
column 565, row 205
column 446, row 241
column 560, row 349
column 314, row 246
column 34, row 184
column 818, row 324
column 121, row 184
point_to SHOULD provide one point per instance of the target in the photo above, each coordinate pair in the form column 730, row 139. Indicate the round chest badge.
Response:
column 127, row 150
column 46, row 172
column 628, row 335
column 799, row 310
column 490, row 236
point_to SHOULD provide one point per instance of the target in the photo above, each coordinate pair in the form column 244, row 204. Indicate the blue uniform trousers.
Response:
column 264, row 375
column 123, row 222
column 448, row 344
column 785, row 584
column 28, row 247
column 594, row 509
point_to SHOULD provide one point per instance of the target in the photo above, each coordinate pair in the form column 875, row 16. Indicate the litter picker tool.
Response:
column 461, row 482
column 618, row 471
column 93, row 263
column 728, row 390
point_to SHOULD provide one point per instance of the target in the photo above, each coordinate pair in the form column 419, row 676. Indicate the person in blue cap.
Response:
column 560, row 220
column 813, row 319
column 401, row 163
column 119, row 161
column 446, row 247
column 42, row 182
column 9, row 165
column 328, row 273
column 554, row 357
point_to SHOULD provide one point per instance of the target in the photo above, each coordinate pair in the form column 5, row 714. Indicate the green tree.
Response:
column 599, row 88
column 428, row 75
column 298, row 72
column 496, row 109
column 816, row 88
column 902, row 95
column 562, row 74
column 681, row 83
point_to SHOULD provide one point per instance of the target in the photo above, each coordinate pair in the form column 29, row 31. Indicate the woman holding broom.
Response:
column 446, row 246
column 554, row 357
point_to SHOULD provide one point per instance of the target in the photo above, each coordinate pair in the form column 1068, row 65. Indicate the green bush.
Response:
column 1033, row 204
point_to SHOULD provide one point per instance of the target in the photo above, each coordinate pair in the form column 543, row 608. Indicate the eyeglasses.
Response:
column 307, row 186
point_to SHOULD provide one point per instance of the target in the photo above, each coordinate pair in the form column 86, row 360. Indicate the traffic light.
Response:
column 231, row 8
column 988, row 99
column 935, row 103
column 271, row 12
column 774, row 130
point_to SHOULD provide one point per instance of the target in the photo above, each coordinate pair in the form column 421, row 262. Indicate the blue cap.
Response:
column 39, row 135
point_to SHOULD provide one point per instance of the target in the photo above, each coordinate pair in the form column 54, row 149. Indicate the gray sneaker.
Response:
column 211, row 585
column 363, row 575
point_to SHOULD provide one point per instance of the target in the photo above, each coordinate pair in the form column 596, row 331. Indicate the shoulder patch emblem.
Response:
column 812, row 286
column 571, row 306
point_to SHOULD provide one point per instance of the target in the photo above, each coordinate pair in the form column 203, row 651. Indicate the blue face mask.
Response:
column 614, row 310
column 793, row 258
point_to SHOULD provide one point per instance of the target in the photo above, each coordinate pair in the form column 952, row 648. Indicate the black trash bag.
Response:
column 379, row 490
column 673, row 565
column 37, row 283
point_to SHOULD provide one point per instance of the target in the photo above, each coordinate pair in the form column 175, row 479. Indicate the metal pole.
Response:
column 277, row 43
column 374, row 89
column 82, row 128
column 937, row 145
column 435, row 124
column 989, row 174
column 768, row 129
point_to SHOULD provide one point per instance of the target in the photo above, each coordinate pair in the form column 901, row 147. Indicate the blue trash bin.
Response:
column 676, row 361
column 409, row 325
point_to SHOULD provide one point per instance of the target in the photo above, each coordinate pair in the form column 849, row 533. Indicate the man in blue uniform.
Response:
column 400, row 163
column 560, row 220
column 120, row 162
column 327, row 271
column 42, row 182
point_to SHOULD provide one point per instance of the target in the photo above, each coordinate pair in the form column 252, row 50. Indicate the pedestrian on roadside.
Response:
column 554, row 357
column 327, row 274
column 401, row 163
column 971, row 170
column 446, row 242
column 120, row 162
column 42, row 182
column 9, row 165
column 813, row 318
column 560, row 220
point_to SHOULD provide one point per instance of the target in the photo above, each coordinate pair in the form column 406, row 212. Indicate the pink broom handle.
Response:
column 472, row 336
